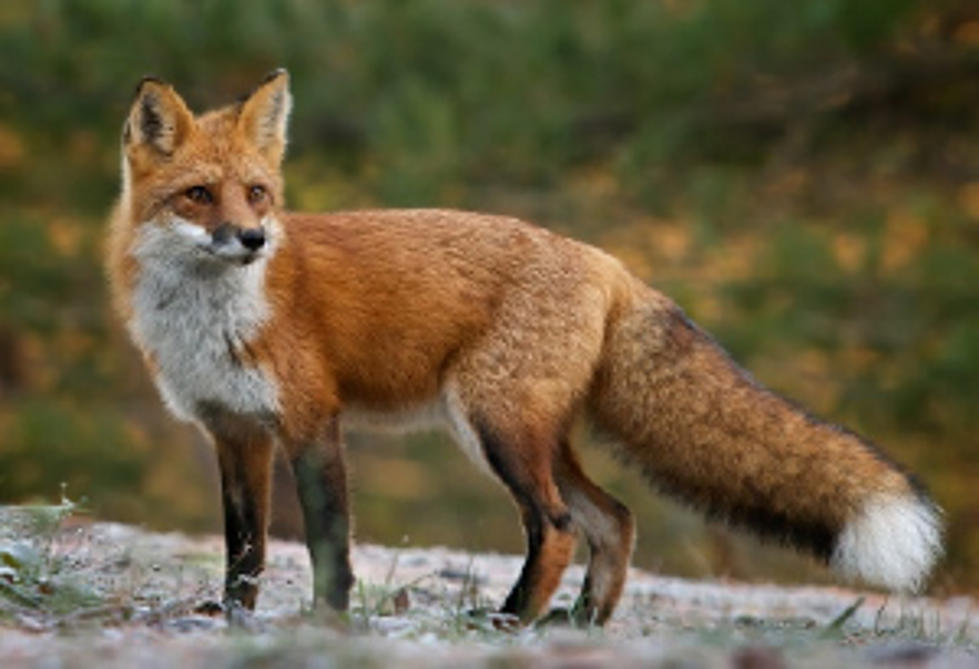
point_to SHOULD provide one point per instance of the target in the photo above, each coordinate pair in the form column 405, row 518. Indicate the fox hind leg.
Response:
column 609, row 529
column 548, row 530
column 517, row 388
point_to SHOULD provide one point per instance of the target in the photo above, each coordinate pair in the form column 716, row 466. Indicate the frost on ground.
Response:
column 107, row 594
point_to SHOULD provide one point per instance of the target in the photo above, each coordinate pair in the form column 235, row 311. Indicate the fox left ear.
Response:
column 264, row 116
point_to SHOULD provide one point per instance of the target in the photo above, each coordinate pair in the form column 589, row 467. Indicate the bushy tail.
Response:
column 703, row 430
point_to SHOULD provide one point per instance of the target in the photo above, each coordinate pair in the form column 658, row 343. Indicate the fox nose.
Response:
column 252, row 238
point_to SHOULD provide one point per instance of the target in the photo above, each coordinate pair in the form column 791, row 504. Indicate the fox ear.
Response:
column 264, row 116
column 159, row 119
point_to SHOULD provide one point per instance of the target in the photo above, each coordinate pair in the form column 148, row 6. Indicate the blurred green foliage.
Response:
column 802, row 177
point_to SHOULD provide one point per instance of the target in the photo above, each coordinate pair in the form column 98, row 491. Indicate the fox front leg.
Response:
column 245, row 458
column 321, row 479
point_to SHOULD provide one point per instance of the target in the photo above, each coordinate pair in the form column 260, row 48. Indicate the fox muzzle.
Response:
column 232, row 241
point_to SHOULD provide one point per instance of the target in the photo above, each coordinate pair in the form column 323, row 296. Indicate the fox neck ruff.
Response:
column 195, row 318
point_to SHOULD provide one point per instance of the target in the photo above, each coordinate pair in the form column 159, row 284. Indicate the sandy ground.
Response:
column 413, row 607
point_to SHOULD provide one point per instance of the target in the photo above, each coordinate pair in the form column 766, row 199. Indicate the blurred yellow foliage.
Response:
column 65, row 233
column 394, row 478
column 671, row 240
column 41, row 375
column 72, row 344
column 634, row 259
column 596, row 182
column 11, row 148
column 849, row 251
column 967, row 33
column 968, row 199
column 905, row 236
column 801, row 374
column 736, row 258
column 707, row 306
column 856, row 359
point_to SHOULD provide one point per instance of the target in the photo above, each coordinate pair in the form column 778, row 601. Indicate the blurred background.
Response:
column 803, row 177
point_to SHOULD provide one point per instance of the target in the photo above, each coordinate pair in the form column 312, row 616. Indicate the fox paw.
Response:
column 237, row 615
column 209, row 607
column 566, row 617
column 483, row 618
column 241, row 618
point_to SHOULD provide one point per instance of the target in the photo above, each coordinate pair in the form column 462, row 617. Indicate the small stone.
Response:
column 757, row 657
column 401, row 601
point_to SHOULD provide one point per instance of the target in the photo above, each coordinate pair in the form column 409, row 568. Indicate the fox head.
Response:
column 206, row 187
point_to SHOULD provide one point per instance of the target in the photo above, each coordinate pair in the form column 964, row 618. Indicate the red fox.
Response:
column 266, row 327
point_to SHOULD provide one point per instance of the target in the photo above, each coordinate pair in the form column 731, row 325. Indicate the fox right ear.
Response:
column 159, row 119
column 264, row 116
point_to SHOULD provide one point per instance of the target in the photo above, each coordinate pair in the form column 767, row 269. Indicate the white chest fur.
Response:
column 195, row 318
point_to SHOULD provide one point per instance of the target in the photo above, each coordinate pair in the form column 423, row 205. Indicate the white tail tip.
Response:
column 893, row 542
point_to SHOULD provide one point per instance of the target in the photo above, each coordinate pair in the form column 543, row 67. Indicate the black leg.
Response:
column 245, row 458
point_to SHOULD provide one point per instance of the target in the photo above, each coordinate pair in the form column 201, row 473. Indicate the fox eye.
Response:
column 256, row 193
column 199, row 195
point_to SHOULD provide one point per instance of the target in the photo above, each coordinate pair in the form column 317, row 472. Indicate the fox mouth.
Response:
column 232, row 255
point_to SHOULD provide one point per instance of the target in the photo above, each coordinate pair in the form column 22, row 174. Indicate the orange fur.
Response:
column 505, row 331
